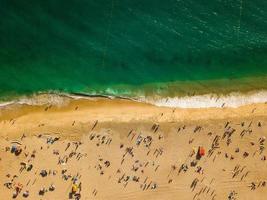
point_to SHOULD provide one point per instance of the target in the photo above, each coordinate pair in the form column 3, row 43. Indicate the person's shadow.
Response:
column 70, row 195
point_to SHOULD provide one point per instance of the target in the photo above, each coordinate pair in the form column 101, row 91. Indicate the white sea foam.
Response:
column 38, row 99
column 2, row 104
column 44, row 99
column 198, row 101
column 211, row 100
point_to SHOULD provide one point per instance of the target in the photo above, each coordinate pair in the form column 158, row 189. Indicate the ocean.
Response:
column 133, row 48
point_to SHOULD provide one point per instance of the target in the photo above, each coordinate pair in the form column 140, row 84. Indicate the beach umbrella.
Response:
column 201, row 151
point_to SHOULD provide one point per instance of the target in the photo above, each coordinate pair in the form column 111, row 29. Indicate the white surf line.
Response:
column 232, row 100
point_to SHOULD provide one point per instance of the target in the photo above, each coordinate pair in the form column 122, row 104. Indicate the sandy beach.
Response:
column 120, row 149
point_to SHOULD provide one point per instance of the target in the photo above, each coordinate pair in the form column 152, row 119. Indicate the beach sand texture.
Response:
column 120, row 149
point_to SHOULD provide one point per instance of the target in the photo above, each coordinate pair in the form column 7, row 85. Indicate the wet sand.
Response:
column 119, row 149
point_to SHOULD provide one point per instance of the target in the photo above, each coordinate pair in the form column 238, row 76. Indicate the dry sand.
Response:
column 120, row 149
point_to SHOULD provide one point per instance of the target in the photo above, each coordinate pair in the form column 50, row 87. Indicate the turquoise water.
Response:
column 92, row 45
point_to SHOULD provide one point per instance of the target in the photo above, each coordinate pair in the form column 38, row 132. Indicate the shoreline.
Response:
column 178, row 94
column 212, row 100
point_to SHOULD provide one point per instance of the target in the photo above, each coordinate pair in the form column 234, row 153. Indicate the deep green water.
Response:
column 92, row 45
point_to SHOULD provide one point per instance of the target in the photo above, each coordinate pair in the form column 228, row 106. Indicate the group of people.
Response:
column 138, row 161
